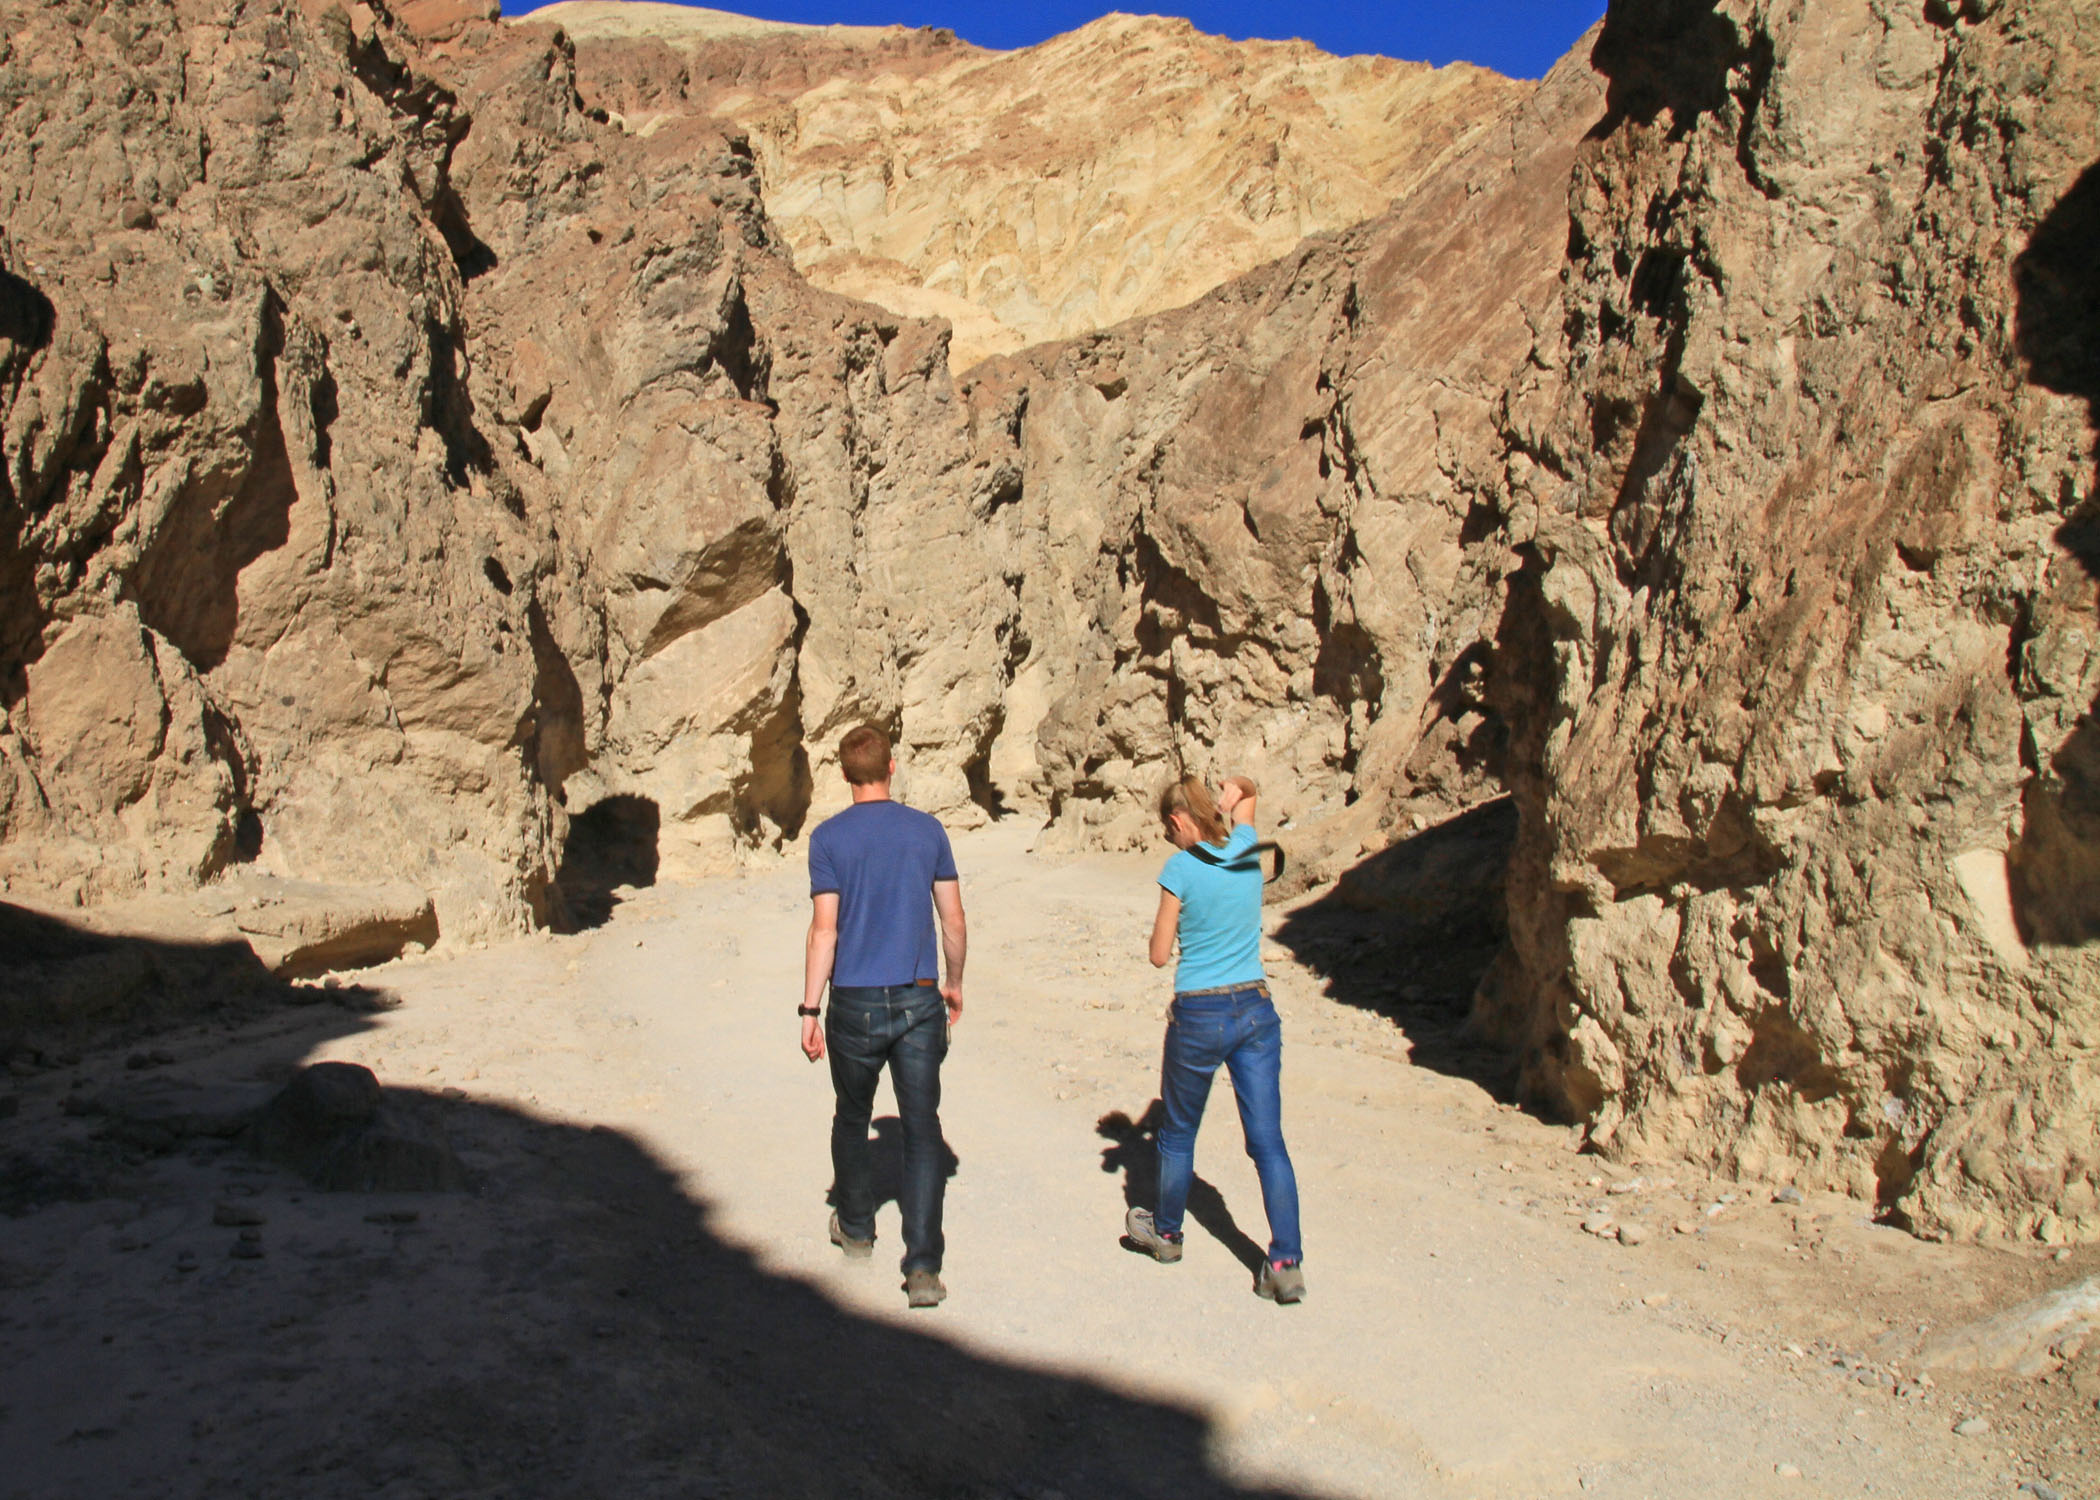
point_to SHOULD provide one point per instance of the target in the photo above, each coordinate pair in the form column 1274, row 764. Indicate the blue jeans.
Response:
column 1239, row 1029
column 905, row 1026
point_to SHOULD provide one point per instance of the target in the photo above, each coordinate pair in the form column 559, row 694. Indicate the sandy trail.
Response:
column 639, row 1298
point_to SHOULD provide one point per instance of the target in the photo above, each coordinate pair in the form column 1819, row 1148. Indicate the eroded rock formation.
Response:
column 1254, row 524
column 1125, row 168
column 319, row 564
column 422, row 486
column 1802, row 661
column 245, row 581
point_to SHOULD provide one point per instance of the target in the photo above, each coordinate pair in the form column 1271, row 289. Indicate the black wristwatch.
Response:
column 809, row 1010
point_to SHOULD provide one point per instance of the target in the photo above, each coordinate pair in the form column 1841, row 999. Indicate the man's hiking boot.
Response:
column 1281, row 1282
column 855, row 1249
column 1137, row 1228
column 923, row 1289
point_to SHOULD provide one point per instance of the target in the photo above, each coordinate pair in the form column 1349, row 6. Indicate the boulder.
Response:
column 335, row 1126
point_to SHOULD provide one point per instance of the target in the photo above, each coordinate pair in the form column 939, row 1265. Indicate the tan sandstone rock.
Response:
column 1126, row 167
column 1798, row 659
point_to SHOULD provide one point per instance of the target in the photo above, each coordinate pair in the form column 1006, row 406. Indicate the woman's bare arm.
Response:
column 1163, row 928
column 1236, row 799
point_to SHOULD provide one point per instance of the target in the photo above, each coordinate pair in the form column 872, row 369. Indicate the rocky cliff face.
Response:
column 1123, row 169
column 247, row 614
column 424, row 487
column 549, row 514
column 1801, row 659
column 390, row 443
column 1249, row 530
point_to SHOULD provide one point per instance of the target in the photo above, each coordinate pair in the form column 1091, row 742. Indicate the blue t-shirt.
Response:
column 882, row 859
column 1220, row 915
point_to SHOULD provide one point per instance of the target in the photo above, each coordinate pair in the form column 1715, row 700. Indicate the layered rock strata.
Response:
column 1122, row 169
column 1249, row 530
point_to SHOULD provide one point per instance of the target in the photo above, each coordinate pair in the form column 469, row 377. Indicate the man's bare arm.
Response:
column 947, row 905
column 817, row 956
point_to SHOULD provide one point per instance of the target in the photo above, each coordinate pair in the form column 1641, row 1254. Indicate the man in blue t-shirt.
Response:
column 878, row 873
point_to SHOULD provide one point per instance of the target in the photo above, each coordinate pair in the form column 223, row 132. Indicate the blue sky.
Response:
column 1522, row 38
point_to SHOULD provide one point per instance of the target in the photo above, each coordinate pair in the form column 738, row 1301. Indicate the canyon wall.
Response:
column 432, row 488
column 1800, row 666
column 392, row 443
column 1252, row 534
column 246, row 615
column 545, row 493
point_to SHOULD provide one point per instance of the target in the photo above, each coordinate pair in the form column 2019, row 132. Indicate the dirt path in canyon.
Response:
column 637, row 1297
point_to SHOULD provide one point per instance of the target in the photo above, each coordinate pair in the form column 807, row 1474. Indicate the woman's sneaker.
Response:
column 1137, row 1228
column 1281, row 1281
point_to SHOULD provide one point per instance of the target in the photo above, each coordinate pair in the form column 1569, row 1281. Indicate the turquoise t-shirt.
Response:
column 1220, row 915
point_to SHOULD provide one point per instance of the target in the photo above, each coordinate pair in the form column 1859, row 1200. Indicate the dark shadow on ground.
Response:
column 2055, row 864
column 1133, row 1150
column 1409, row 933
column 888, row 1154
column 65, row 988
column 108, row 1002
column 570, row 1326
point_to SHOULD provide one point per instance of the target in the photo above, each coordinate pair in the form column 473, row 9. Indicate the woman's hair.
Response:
column 1191, row 796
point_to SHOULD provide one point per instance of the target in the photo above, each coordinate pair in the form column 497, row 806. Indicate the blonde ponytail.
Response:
column 1189, row 795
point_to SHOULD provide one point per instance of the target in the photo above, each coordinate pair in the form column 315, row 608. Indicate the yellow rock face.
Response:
column 1128, row 167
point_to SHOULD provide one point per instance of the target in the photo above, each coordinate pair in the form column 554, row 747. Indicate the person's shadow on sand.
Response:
column 1133, row 1150
column 888, row 1151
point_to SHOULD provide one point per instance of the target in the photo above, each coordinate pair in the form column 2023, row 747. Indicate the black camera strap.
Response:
column 1247, row 859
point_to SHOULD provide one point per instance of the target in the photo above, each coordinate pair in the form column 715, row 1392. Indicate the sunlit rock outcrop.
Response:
column 1801, row 665
column 1125, row 168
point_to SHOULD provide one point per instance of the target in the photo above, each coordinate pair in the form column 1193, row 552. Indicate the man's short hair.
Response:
column 864, row 755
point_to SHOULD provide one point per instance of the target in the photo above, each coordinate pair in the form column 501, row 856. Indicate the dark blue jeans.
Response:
column 905, row 1026
column 1239, row 1029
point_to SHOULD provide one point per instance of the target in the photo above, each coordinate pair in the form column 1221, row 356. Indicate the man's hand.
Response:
column 817, row 956
column 947, row 905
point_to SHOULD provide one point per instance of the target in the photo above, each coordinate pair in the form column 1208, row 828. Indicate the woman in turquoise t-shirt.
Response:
column 1210, row 900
